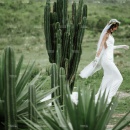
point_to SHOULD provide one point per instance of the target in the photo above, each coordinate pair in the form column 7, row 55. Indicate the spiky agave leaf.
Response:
column 124, row 121
column 87, row 114
column 22, row 82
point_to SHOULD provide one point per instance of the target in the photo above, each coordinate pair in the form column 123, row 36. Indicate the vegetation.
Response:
column 64, row 36
column 86, row 115
column 14, row 89
column 21, row 27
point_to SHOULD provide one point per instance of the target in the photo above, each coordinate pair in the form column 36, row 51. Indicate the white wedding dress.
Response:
column 112, row 78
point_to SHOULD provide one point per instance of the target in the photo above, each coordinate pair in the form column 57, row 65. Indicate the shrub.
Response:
column 101, row 23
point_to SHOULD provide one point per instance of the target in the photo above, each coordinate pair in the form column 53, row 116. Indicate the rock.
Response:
column 118, row 53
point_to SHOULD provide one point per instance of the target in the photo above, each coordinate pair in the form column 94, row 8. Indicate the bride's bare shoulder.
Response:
column 106, row 35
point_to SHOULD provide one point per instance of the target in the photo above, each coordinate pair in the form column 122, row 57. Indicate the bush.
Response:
column 91, row 23
column 101, row 23
column 127, row 35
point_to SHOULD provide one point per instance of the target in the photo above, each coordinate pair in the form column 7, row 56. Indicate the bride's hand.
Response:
column 95, row 62
column 126, row 47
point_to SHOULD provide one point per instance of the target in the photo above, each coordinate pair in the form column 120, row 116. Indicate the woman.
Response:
column 112, row 78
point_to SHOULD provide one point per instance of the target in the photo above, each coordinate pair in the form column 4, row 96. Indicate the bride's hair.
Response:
column 113, row 26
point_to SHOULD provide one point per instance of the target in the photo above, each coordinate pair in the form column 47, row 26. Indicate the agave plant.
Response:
column 86, row 115
column 22, row 82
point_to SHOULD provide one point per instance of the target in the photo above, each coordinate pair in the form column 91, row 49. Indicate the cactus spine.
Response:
column 64, row 37
column 10, row 95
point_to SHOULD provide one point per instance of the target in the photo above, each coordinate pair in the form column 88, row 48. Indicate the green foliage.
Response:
column 64, row 37
column 58, row 79
column 13, row 81
column 127, row 34
column 9, row 82
column 86, row 115
column 32, row 100
column 20, row 26
column 17, row 18
column 101, row 23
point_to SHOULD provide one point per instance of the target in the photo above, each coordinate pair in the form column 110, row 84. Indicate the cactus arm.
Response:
column 54, row 78
column 79, row 12
column 10, row 95
column 32, row 103
column 47, row 31
column 59, row 10
column 74, row 14
column 85, row 11
column 58, row 49
column 61, row 84
column 54, row 7
column 64, row 13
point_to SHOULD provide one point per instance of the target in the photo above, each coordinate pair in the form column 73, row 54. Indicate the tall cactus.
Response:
column 64, row 36
column 10, row 94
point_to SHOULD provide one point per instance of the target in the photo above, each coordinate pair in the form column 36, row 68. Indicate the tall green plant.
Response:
column 58, row 80
column 86, row 115
column 9, row 82
column 64, row 36
column 14, row 85
column 32, row 100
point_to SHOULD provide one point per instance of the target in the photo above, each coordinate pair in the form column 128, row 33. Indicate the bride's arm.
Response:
column 126, row 47
column 103, row 44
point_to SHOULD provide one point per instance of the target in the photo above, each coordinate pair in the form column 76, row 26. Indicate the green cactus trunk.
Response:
column 32, row 103
column 62, row 84
column 1, row 88
column 54, row 78
column 58, row 79
column 10, row 94
column 64, row 36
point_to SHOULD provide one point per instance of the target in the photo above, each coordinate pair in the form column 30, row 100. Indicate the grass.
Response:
column 21, row 26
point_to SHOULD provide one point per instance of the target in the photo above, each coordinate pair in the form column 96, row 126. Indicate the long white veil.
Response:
column 102, row 35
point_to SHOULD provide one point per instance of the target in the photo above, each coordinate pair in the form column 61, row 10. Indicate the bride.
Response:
column 112, row 78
